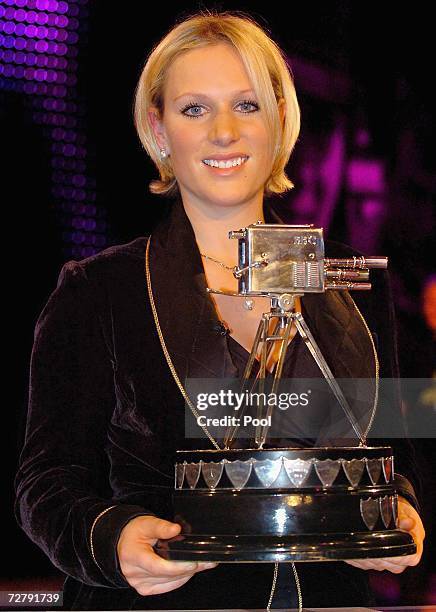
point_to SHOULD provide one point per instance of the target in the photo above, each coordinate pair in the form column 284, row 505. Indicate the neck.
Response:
column 212, row 225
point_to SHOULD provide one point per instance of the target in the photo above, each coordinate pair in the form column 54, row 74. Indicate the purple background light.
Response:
column 37, row 50
column 366, row 176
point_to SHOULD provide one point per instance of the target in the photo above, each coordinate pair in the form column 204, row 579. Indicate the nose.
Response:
column 224, row 128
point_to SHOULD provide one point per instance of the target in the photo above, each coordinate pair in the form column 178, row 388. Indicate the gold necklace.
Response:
column 223, row 265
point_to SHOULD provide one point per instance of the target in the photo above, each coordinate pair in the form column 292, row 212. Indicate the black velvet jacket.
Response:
column 105, row 416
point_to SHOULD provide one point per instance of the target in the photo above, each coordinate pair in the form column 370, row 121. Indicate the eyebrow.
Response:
column 194, row 94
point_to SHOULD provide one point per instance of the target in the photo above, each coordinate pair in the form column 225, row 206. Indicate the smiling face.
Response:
column 211, row 112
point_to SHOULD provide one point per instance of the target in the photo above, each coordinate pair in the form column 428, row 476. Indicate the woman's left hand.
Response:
column 408, row 520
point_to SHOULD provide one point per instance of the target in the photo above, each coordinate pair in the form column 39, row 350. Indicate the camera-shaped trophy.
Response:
column 288, row 504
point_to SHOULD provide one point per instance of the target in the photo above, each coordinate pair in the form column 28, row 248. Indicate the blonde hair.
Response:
column 266, row 67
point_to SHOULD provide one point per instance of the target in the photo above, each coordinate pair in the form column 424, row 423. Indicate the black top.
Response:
column 299, row 363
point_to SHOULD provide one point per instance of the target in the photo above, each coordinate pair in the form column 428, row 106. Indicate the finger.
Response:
column 394, row 569
column 180, row 568
column 406, row 522
column 403, row 560
column 155, row 565
column 407, row 560
column 164, row 579
column 156, row 528
column 368, row 564
column 416, row 532
column 140, row 577
column 161, row 587
column 174, row 568
column 356, row 563
column 392, row 564
column 206, row 565
column 409, row 520
column 407, row 511
column 377, row 565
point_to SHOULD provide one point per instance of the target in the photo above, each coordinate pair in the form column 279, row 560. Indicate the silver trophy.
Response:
column 287, row 504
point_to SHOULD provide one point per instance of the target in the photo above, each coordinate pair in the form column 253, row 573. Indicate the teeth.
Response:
column 238, row 161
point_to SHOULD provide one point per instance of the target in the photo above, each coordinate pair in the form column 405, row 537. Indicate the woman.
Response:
column 217, row 112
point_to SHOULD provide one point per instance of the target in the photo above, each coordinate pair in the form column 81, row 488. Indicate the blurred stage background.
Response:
column 74, row 178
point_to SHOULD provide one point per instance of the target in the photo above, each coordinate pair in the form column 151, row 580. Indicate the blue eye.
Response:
column 190, row 106
column 250, row 103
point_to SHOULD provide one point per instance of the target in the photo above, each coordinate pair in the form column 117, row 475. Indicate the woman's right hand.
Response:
column 143, row 569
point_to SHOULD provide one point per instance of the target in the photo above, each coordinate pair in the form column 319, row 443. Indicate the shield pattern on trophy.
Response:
column 353, row 470
column 238, row 472
column 267, row 470
column 180, row 474
column 369, row 510
column 386, row 510
column 327, row 470
column 373, row 467
column 192, row 474
column 387, row 468
column 212, row 473
column 297, row 470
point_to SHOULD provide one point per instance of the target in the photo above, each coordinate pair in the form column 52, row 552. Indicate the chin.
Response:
column 232, row 198
column 230, row 203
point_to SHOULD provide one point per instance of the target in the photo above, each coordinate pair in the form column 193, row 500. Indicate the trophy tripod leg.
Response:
column 270, row 348
column 311, row 344
column 262, row 330
column 265, row 351
column 267, row 348
column 261, row 335
column 262, row 430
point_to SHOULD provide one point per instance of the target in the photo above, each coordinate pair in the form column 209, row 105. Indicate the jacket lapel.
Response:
column 186, row 313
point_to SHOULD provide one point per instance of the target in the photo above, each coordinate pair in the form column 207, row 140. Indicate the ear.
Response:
column 157, row 127
column 281, row 105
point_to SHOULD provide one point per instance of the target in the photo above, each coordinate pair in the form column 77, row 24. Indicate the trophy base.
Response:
column 286, row 504
column 301, row 547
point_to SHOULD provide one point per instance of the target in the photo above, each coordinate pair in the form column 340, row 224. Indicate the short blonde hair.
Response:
column 266, row 67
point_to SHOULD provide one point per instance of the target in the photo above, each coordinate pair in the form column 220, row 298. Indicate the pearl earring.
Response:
column 163, row 153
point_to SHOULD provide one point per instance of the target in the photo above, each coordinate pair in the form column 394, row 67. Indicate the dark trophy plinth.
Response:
column 286, row 505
